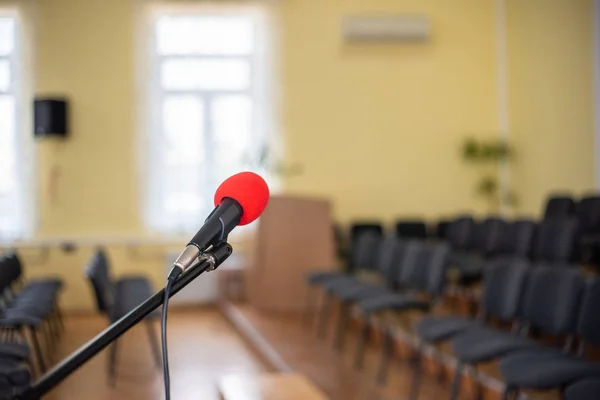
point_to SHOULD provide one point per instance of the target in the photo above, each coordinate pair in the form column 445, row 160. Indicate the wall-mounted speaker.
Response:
column 51, row 117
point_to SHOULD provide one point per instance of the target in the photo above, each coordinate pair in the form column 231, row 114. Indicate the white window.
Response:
column 13, row 202
column 208, row 109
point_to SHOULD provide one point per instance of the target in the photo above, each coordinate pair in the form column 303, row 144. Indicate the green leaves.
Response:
column 489, row 153
column 485, row 151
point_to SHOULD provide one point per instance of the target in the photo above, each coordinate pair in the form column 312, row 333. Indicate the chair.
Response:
column 458, row 232
column 365, row 261
column 362, row 257
column 440, row 230
column 411, row 229
column 382, row 281
column 588, row 215
column 483, row 242
column 550, row 305
column 548, row 368
column 516, row 239
column 559, row 206
column 503, row 285
column 555, row 240
column 423, row 278
column 116, row 298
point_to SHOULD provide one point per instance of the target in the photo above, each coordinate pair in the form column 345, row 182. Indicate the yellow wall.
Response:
column 551, row 98
column 85, row 50
column 378, row 127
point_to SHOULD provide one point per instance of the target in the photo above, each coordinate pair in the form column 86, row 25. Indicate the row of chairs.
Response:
column 29, row 313
column 541, row 298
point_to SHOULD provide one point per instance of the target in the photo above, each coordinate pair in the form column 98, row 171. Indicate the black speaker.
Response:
column 50, row 117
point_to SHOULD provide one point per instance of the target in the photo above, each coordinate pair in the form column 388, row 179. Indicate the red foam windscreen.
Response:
column 248, row 189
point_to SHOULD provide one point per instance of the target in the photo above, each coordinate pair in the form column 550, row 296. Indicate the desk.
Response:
column 278, row 386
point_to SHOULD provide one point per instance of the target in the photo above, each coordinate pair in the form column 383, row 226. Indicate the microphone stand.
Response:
column 208, row 262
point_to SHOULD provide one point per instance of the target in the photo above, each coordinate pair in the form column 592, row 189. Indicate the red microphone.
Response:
column 239, row 200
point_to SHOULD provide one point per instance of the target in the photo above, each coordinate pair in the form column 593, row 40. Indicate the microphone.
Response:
column 239, row 200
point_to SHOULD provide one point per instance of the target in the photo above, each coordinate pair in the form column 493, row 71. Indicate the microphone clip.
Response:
column 216, row 255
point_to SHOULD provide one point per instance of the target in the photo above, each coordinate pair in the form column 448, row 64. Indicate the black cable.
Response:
column 163, row 328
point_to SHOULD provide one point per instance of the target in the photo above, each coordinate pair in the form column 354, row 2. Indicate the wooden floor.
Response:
column 203, row 347
column 294, row 346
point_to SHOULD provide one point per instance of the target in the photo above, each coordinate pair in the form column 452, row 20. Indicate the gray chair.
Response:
column 383, row 280
column 503, row 285
column 423, row 278
column 366, row 260
column 117, row 298
column 555, row 240
column 548, row 368
column 483, row 243
column 550, row 305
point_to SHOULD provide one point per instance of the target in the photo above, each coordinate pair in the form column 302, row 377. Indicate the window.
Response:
column 12, row 198
column 208, row 109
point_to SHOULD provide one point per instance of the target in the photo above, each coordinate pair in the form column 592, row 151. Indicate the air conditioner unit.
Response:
column 386, row 28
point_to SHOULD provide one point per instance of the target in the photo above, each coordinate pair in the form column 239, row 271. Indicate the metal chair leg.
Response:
column 342, row 324
column 456, row 381
column 387, row 349
column 38, row 350
column 308, row 312
column 154, row 343
column 415, row 384
column 324, row 316
column 112, row 361
column 362, row 340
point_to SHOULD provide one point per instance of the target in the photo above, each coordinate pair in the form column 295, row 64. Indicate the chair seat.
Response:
column 545, row 369
column 483, row 344
column 318, row 277
column 13, row 375
column 361, row 292
column 392, row 301
column 17, row 351
column 585, row 390
column 438, row 328
column 333, row 285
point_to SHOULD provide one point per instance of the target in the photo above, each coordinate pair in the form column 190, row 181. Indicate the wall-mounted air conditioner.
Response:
column 386, row 28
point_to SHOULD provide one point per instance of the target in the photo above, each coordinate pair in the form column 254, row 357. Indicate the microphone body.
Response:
column 217, row 226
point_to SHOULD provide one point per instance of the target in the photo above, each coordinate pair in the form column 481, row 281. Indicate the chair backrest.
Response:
column 555, row 240
column 503, row 285
column 411, row 229
column 409, row 251
column 389, row 251
column 440, row 230
column 12, row 270
column 589, row 322
column 559, row 206
column 588, row 215
column 516, row 238
column 365, row 250
column 429, row 271
column 98, row 274
column 552, row 299
column 459, row 232
column 485, row 236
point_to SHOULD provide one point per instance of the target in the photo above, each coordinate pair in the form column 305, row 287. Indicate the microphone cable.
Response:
column 163, row 328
